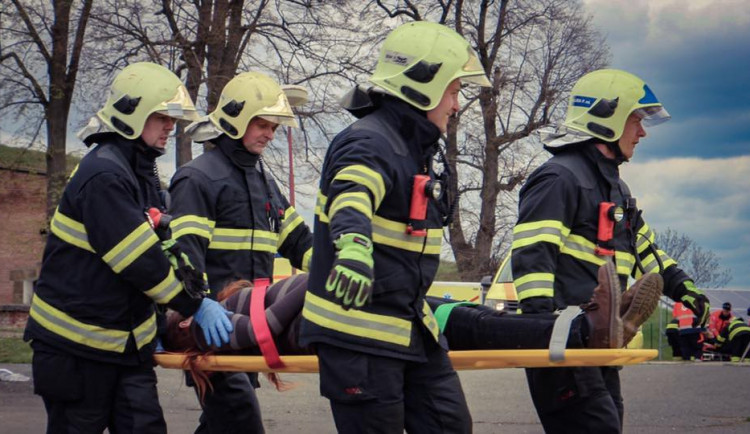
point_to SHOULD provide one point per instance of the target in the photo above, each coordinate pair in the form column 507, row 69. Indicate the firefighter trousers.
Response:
column 232, row 406
column 86, row 396
column 373, row 394
column 690, row 347
column 577, row 400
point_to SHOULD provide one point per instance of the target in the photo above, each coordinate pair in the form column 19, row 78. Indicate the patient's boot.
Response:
column 603, row 311
column 639, row 302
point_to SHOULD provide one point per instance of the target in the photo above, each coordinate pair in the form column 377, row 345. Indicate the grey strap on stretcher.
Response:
column 559, row 339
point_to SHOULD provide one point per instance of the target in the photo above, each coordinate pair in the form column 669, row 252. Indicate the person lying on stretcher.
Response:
column 608, row 320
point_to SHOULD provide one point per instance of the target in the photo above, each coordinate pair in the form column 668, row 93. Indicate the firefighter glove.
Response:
column 191, row 279
column 351, row 276
column 213, row 319
column 695, row 300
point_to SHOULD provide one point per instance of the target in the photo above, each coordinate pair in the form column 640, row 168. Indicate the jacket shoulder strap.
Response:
column 110, row 152
column 374, row 124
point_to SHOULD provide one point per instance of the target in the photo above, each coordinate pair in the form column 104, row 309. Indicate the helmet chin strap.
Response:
column 615, row 148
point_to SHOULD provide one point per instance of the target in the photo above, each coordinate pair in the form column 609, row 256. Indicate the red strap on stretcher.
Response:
column 260, row 324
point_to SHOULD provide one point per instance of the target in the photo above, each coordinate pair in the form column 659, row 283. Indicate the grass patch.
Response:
column 448, row 272
column 14, row 350
column 30, row 159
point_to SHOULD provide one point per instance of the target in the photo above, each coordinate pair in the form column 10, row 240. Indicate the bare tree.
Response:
column 207, row 39
column 677, row 245
column 702, row 265
column 325, row 46
column 214, row 39
column 39, row 67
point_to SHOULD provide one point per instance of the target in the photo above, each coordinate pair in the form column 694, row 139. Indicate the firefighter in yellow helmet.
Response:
column 92, row 322
column 576, row 214
column 231, row 218
column 383, row 363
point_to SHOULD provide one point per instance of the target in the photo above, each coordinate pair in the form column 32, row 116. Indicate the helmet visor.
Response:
column 279, row 113
column 281, row 120
column 179, row 107
column 296, row 95
column 472, row 70
column 653, row 115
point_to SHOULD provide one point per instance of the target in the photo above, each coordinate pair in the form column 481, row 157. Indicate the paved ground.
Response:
column 660, row 397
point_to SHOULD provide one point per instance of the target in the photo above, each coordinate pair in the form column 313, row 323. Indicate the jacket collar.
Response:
column 139, row 156
column 236, row 151
column 608, row 167
column 412, row 124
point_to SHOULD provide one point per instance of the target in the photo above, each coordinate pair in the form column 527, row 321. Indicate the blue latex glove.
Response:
column 695, row 300
column 351, row 277
column 213, row 319
column 159, row 346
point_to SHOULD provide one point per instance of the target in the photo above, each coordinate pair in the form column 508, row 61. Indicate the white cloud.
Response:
column 650, row 33
column 667, row 20
column 705, row 199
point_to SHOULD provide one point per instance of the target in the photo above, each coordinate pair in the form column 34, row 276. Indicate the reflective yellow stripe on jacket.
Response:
column 165, row 290
column 548, row 231
column 554, row 232
column 366, row 177
column 430, row 322
column 131, row 247
column 392, row 233
column 535, row 285
column 291, row 221
column 70, row 231
column 585, row 250
column 307, row 259
column 739, row 327
column 192, row 225
column 244, row 239
column 93, row 336
column 355, row 322
column 320, row 206
column 644, row 239
column 358, row 200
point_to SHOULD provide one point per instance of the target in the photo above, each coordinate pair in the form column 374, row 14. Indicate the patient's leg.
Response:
column 482, row 328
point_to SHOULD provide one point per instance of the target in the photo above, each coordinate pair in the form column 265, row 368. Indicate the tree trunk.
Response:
column 58, row 106
column 56, row 173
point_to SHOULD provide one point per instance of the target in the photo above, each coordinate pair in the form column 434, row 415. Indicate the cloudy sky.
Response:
column 691, row 174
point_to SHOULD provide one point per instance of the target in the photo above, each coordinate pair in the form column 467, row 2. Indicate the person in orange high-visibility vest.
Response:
column 720, row 319
column 689, row 334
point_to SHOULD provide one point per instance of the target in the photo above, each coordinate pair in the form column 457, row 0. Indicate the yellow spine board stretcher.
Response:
column 462, row 360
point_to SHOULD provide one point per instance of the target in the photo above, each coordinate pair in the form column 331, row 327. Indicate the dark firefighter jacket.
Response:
column 103, row 266
column 735, row 328
column 231, row 219
column 553, row 254
column 365, row 188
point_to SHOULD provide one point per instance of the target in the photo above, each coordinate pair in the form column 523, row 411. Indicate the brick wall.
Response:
column 22, row 216
column 13, row 319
